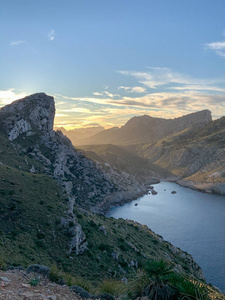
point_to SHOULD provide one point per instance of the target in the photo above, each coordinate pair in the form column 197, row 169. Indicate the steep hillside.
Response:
column 196, row 155
column 122, row 161
column 146, row 129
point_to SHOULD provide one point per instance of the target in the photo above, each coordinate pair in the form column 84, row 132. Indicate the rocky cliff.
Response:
column 29, row 115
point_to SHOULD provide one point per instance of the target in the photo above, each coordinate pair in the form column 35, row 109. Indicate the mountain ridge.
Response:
column 143, row 129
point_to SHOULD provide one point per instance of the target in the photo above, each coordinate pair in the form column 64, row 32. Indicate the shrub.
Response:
column 40, row 235
column 34, row 281
column 109, row 286
column 55, row 273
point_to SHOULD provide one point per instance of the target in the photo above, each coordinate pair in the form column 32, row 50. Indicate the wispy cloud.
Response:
column 106, row 93
column 51, row 35
column 161, row 78
column 217, row 47
column 17, row 43
column 135, row 89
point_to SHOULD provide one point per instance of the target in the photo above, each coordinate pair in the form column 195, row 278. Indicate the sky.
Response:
column 105, row 61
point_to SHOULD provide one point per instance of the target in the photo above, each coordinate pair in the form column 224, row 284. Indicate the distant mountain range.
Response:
column 144, row 129
column 77, row 135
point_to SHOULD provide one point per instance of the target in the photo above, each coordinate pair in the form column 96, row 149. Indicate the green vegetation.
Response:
column 34, row 281
column 158, row 281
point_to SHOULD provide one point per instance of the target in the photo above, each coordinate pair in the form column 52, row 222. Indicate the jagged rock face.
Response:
column 29, row 115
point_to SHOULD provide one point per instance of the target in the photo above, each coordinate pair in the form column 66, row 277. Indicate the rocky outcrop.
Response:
column 31, row 120
column 29, row 115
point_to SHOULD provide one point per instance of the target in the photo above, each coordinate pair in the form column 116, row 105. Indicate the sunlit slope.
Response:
column 195, row 154
column 146, row 129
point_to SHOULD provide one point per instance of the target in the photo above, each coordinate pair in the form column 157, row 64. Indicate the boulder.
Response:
column 81, row 292
column 154, row 192
column 40, row 269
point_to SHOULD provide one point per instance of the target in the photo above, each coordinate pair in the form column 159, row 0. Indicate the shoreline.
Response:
column 125, row 197
column 208, row 188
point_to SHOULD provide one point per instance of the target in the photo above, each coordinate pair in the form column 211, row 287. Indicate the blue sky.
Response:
column 105, row 61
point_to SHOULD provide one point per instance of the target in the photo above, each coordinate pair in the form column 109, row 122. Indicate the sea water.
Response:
column 190, row 220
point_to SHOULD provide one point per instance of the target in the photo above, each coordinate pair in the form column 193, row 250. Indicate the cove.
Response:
column 190, row 220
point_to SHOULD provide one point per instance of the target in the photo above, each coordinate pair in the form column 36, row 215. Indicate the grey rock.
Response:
column 40, row 269
column 124, row 280
column 81, row 292
column 132, row 246
column 115, row 255
column 32, row 113
column 133, row 263
column 103, row 229
column 4, row 279
column 32, row 169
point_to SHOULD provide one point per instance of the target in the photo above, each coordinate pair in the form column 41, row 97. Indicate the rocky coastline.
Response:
column 203, row 187
column 123, row 197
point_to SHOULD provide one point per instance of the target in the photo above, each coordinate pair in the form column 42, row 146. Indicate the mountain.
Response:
column 77, row 135
column 146, row 129
column 195, row 155
column 48, row 193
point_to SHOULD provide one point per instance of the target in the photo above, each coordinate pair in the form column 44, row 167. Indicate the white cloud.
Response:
column 8, row 96
column 135, row 89
column 218, row 47
column 223, row 32
column 17, row 43
column 51, row 35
